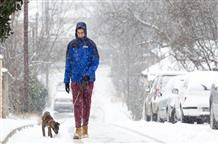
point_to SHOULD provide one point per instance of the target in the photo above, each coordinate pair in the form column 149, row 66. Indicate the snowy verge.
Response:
column 9, row 127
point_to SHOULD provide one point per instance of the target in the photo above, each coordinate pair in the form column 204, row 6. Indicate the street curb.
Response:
column 13, row 132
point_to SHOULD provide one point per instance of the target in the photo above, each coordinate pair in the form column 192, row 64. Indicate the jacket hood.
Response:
column 81, row 25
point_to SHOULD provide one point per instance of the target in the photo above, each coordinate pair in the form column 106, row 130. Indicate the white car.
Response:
column 168, row 105
column 151, row 101
column 195, row 95
column 62, row 100
column 63, row 104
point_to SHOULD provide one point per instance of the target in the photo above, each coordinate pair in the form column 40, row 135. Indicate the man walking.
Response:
column 82, row 60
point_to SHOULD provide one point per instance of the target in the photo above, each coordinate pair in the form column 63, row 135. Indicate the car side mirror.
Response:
column 161, row 94
column 175, row 91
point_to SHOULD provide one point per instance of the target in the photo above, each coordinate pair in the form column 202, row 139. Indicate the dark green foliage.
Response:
column 38, row 95
column 7, row 8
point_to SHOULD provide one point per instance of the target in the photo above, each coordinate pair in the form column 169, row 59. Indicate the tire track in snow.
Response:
column 139, row 133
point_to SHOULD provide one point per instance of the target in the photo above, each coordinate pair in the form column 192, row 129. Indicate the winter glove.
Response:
column 67, row 87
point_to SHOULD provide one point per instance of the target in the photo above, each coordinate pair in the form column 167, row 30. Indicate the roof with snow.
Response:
column 168, row 65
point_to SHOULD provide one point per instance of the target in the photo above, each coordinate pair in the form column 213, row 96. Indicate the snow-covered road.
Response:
column 110, row 123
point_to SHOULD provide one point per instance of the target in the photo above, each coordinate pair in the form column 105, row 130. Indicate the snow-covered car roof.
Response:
column 201, row 80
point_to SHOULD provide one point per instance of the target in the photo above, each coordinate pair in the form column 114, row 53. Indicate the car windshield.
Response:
column 174, row 82
column 164, row 81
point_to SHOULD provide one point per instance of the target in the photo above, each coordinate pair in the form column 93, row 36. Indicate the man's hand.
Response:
column 67, row 87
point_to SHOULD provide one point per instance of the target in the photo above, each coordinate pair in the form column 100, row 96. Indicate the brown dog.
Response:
column 48, row 121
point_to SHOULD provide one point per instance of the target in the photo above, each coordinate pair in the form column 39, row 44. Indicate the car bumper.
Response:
column 196, row 111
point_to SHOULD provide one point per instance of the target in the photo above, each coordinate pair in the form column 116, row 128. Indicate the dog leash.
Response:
column 76, row 98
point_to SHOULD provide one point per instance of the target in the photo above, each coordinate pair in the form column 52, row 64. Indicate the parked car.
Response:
column 151, row 101
column 168, row 104
column 214, row 105
column 195, row 94
column 62, row 101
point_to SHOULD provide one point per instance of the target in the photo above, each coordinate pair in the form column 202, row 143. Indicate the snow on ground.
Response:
column 110, row 123
column 7, row 125
column 174, row 133
column 104, row 103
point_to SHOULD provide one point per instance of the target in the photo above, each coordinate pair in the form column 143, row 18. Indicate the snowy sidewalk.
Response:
column 110, row 123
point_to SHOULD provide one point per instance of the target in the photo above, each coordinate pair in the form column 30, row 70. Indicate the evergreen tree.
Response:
column 7, row 8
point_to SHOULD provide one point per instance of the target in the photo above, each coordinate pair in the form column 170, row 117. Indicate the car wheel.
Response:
column 148, row 118
column 213, row 122
column 173, row 116
column 159, row 119
column 154, row 117
column 200, row 121
column 185, row 119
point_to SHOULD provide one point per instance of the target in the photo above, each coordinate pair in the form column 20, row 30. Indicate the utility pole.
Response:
column 47, row 37
column 1, row 91
column 26, row 59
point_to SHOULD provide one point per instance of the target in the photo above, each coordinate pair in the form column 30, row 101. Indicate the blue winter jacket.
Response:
column 82, row 58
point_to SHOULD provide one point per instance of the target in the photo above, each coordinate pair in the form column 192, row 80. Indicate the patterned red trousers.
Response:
column 82, row 102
